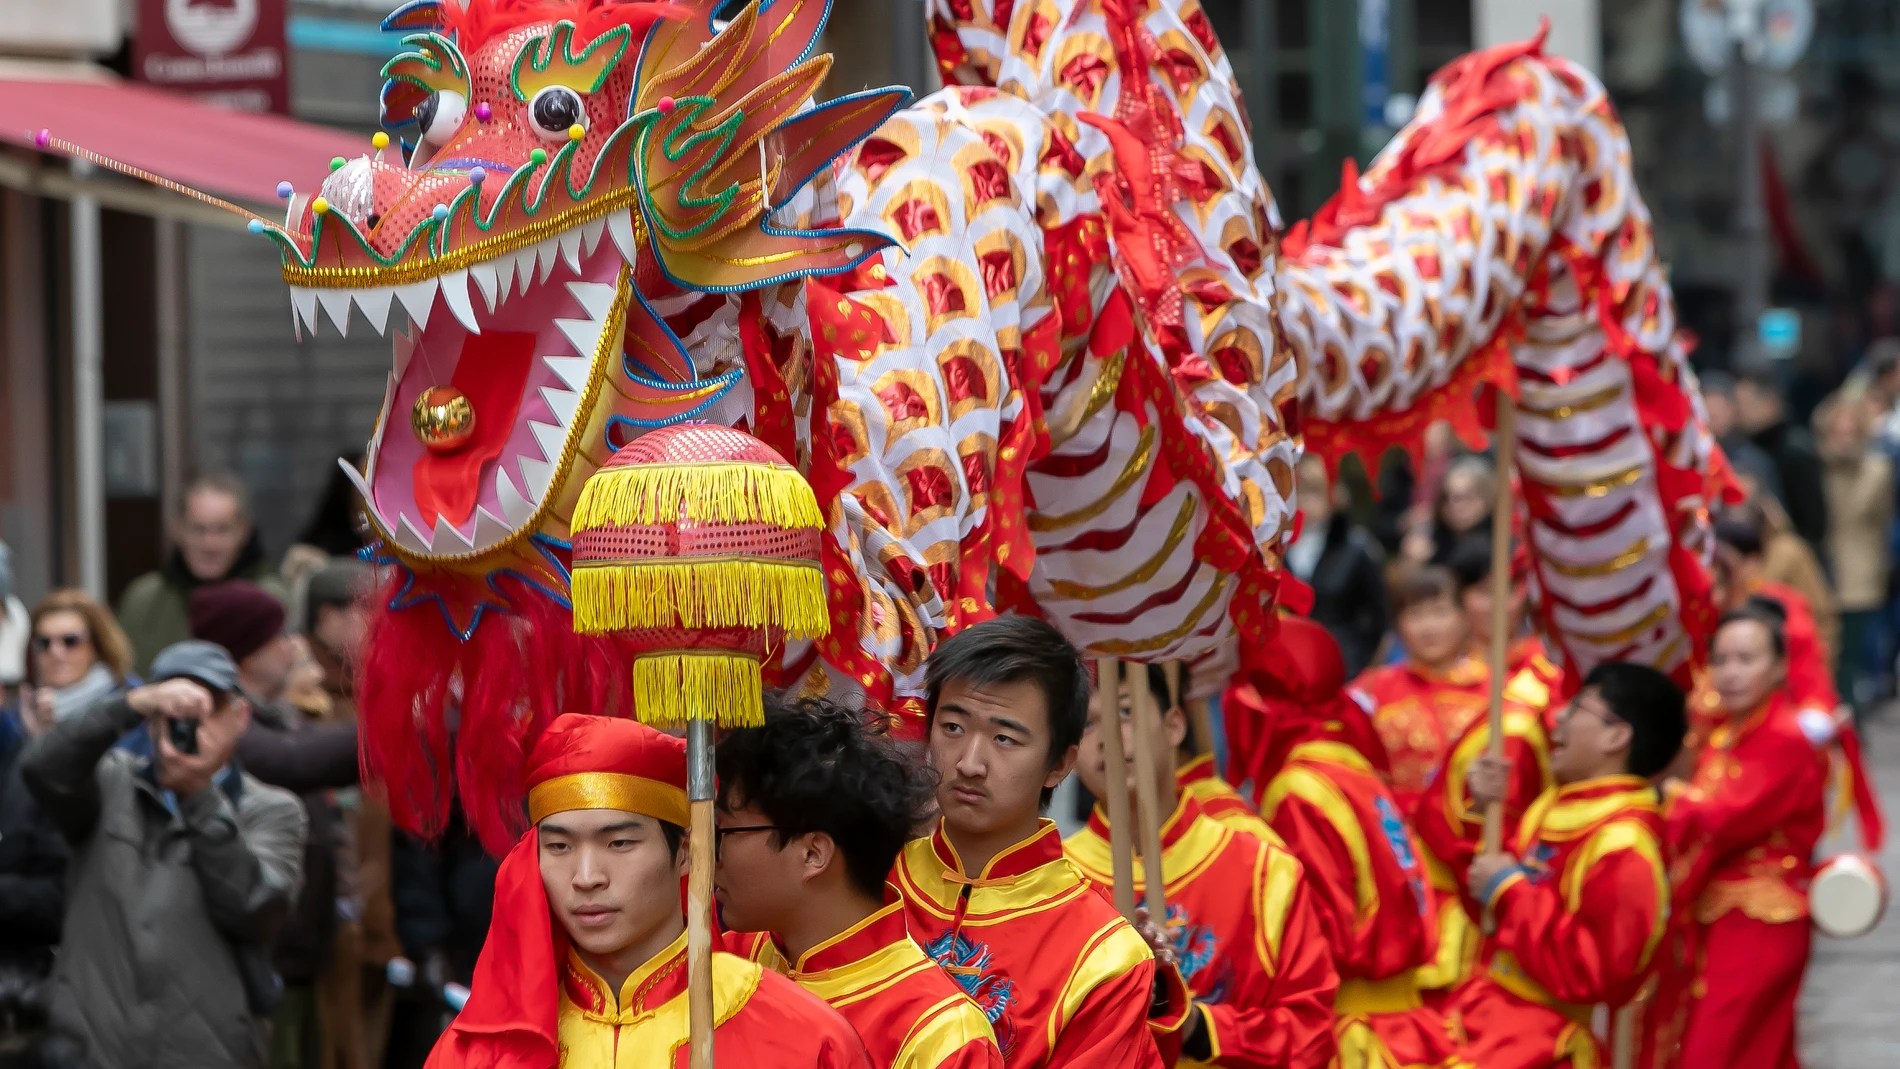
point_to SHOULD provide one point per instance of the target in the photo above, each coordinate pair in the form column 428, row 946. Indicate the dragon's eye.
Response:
column 441, row 115
column 555, row 110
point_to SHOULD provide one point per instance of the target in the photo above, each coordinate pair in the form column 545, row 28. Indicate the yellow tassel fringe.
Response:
column 702, row 592
column 671, row 689
column 701, row 493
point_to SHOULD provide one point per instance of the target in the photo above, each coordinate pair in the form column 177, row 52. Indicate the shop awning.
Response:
column 239, row 156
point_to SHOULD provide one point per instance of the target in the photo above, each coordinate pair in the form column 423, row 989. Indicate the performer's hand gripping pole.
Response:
column 699, row 892
column 1120, row 824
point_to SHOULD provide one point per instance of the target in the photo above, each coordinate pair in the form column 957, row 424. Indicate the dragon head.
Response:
column 579, row 181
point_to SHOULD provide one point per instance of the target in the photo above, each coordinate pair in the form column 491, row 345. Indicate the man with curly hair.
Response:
column 813, row 809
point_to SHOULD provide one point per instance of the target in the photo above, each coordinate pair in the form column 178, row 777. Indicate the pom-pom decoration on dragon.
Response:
column 1034, row 340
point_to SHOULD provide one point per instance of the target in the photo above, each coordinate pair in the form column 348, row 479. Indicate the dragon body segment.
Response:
column 1032, row 338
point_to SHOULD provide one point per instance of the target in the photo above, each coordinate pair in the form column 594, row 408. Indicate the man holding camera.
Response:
column 182, row 867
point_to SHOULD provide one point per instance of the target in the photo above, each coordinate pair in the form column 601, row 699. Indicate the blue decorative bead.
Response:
column 255, row 226
column 440, row 211
column 477, row 175
column 284, row 191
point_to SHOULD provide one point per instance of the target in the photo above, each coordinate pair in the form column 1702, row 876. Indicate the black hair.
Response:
column 1760, row 376
column 1158, row 687
column 1768, row 612
column 1470, row 559
column 1739, row 534
column 1716, row 383
column 815, row 766
column 1417, row 586
column 673, row 834
column 1014, row 649
column 1651, row 704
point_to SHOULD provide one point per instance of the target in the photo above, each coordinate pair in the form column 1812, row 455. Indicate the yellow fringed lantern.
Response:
column 698, row 546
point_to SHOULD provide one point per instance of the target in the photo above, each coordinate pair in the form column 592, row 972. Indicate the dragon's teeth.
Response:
column 336, row 305
column 455, row 295
column 563, row 403
column 620, row 227
column 536, row 475
column 570, row 243
column 551, row 439
column 590, row 235
column 583, row 335
column 448, row 539
column 374, row 302
column 408, row 534
column 489, row 528
column 487, row 279
column 514, row 504
column 572, row 370
column 545, row 254
column 596, row 297
column 416, row 299
column 303, row 303
column 524, row 269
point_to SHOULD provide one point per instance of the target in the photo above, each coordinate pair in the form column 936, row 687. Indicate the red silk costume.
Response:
column 1063, row 979
column 908, row 1011
column 536, row 1005
column 1576, row 925
column 1245, row 936
column 1219, row 799
column 1314, row 758
column 1742, row 837
column 1419, row 714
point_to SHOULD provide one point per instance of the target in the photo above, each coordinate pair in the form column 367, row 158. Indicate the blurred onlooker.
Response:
column 1783, row 558
column 283, row 748
column 338, row 526
column 444, row 895
column 1762, row 414
column 13, row 628
column 183, row 865
column 32, row 906
column 213, row 541
column 1342, row 564
column 79, row 655
column 1748, row 461
column 1463, row 506
column 1860, row 502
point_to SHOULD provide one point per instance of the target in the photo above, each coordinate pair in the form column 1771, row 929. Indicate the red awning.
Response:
column 236, row 155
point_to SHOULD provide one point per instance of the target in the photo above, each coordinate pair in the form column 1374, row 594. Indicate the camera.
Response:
column 182, row 734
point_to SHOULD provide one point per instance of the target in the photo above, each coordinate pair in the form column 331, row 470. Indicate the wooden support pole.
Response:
column 1148, row 771
column 1506, row 439
column 699, row 893
column 1120, row 822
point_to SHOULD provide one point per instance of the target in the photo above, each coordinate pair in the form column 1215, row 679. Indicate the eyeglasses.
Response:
column 43, row 643
column 719, row 834
column 1603, row 715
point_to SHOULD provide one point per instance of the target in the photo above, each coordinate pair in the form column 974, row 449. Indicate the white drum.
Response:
column 1848, row 897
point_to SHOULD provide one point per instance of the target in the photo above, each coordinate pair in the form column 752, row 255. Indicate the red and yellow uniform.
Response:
column 1245, row 936
column 1742, row 837
column 1418, row 713
column 1335, row 812
column 1219, row 799
column 908, row 1011
column 1062, row 978
column 536, row 1005
column 1575, row 925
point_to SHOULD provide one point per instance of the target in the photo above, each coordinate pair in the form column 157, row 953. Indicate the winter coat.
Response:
column 1860, row 517
column 154, row 610
column 1349, row 592
column 172, row 903
column 32, row 899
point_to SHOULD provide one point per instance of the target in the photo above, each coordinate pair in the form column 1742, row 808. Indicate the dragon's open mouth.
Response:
column 527, row 336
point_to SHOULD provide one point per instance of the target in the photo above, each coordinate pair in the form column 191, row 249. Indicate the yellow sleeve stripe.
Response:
column 941, row 1031
column 1276, row 879
column 1615, row 837
column 1113, row 950
column 1320, row 793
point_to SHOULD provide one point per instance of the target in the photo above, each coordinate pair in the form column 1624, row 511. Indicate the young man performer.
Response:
column 813, row 809
column 1064, row 980
column 1327, row 799
column 1239, row 913
column 1580, row 902
column 585, row 962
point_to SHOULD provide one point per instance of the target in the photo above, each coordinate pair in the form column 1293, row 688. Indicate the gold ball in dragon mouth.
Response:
column 443, row 419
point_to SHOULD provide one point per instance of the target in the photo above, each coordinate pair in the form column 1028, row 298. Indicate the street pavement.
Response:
column 1850, row 1007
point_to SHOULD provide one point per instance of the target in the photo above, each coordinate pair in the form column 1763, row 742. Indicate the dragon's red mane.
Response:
column 476, row 22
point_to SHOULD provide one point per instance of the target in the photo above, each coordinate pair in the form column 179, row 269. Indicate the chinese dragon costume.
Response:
column 1038, row 340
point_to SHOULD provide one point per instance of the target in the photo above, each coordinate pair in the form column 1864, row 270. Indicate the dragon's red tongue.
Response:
column 493, row 372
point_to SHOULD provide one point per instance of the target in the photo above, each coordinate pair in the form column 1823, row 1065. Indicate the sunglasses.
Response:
column 43, row 643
